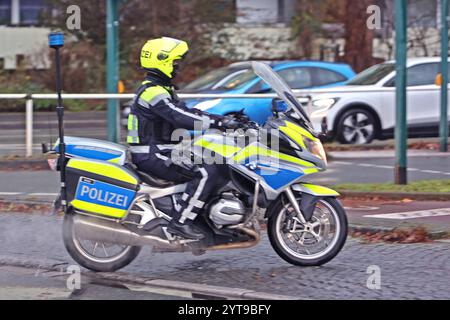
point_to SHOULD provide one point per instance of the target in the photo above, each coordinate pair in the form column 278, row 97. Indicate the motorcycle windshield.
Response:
column 285, row 93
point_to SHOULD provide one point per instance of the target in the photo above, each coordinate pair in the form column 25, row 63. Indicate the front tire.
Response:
column 86, row 257
column 328, row 222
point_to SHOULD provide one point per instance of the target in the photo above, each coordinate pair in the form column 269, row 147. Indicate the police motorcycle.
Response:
column 113, row 210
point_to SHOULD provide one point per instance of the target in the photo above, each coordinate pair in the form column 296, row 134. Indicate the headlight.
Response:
column 321, row 106
column 316, row 148
column 205, row 105
column 324, row 103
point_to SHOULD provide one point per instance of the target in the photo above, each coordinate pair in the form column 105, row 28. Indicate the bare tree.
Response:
column 358, row 38
column 191, row 20
column 307, row 24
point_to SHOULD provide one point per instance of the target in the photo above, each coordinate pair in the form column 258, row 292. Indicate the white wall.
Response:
column 27, row 41
column 243, row 42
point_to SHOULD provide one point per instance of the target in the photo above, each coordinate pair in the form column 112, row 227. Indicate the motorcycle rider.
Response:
column 155, row 114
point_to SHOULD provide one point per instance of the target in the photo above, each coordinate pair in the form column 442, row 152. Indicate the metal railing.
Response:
column 29, row 103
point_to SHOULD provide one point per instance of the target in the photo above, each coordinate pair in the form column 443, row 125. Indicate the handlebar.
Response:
column 242, row 133
column 245, row 120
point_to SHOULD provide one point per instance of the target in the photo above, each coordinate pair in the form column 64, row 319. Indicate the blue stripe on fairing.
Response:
column 88, row 152
column 278, row 179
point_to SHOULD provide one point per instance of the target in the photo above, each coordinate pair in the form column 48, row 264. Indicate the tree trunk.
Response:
column 358, row 38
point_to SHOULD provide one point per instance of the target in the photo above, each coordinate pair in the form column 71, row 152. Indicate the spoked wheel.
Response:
column 311, row 244
column 96, row 255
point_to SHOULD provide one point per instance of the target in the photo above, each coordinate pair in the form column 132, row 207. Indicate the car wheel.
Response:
column 356, row 126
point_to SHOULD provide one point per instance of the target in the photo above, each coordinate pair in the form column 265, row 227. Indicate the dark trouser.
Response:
column 203, row 180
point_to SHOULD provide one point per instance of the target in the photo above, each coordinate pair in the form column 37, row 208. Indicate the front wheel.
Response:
column 96, row 255
column 313, row 244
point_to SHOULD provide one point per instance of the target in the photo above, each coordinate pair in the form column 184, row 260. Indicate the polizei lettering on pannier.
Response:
column 104, row 194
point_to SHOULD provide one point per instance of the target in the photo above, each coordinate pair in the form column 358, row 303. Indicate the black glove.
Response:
column 251, row 125
column 228, row 122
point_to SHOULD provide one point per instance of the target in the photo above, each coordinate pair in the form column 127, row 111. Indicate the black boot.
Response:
column 185, row 230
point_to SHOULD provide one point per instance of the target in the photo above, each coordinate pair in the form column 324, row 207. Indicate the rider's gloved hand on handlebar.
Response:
column 229, row 122
column 251, row 125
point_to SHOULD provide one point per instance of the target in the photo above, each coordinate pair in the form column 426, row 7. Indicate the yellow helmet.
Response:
column 160, row 54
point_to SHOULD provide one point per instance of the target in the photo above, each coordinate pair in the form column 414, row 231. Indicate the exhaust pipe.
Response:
column 240, row 245
column 102, row 230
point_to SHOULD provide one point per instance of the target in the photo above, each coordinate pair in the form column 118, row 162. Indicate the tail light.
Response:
column 53, row 164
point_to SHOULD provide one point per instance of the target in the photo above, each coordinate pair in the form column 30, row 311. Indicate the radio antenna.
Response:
column 56, row 41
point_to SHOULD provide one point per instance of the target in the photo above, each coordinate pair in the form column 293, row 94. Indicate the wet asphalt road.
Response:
column 18, row 283
column 408, row 271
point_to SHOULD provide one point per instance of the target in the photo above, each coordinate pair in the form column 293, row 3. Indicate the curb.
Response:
column 137, row 283
column 421, row 196
column 20, row 164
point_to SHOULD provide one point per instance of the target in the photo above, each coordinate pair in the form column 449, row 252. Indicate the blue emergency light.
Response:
column 56, row 40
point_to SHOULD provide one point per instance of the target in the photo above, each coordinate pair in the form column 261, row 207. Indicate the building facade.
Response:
column 22, row 39
column 259, row 30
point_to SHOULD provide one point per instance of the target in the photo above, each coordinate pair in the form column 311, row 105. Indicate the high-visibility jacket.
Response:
column 157, row 112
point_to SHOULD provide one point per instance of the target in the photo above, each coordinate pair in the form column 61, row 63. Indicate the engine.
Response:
column 227, row 210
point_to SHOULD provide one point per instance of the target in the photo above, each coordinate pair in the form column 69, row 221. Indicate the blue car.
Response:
column 238, row 78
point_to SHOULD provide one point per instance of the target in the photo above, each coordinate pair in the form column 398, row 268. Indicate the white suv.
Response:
column 364, row 109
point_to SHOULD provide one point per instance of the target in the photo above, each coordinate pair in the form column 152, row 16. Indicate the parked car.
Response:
column 217, row 78
column 297, row 74
column 364, row 108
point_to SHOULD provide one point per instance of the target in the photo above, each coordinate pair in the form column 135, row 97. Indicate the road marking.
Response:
column 384, row 167
column 343, row 162
column 358, row 208
column 366, row 165
column 412, row 214
column 432, row 171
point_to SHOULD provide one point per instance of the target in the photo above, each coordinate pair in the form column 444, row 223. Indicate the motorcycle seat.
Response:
column 148, row 179
column 154, row 182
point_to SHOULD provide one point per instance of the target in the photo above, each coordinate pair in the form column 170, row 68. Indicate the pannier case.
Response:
column 94, row 149
column 100, row 187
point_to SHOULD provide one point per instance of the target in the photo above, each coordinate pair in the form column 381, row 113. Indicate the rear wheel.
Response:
column 311, row 244
column 96, row 255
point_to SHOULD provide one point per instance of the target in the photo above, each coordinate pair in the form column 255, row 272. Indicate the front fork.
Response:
column 291, row 197
column 306, row 207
